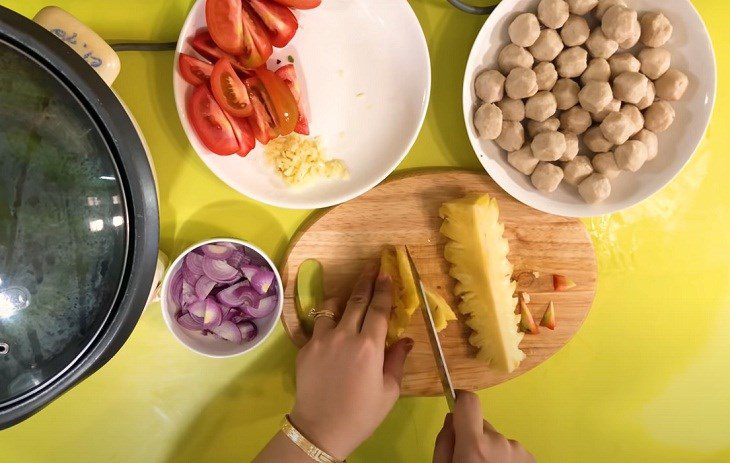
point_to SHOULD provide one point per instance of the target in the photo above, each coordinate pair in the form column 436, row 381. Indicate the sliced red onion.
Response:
column 190, row 276
column 248, row 330
column 203, row 287
column 219, row 271
column 197, row 310
column 262, row 280
column 187, row 296
column 217, row 251
column 213, row 314
column 188, row 322
column 264, row 307
column 239, row 294
column 229, row 331
column 194, row 263
column 176, row 288
column 249, row 271
column 238, row 317
column 238, row 259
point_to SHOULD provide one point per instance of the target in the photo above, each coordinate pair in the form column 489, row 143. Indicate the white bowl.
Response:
column 692, row 53
column 211, row 346
column 366, row 77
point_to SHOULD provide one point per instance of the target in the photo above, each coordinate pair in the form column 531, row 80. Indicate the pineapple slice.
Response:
column 394, row 262
column 440, row 309
column 478, row 256
column 405, row 298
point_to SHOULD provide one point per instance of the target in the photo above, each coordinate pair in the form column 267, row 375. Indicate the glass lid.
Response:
column 63, row 226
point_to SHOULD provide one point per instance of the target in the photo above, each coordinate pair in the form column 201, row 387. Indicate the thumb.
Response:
column 444, row 450
column 395, row 358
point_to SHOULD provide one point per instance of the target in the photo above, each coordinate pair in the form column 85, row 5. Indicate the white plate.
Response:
column 692, row 53
column 365, row 69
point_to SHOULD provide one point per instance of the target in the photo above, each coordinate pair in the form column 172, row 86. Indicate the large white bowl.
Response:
column 366, row 76
column 692, row 53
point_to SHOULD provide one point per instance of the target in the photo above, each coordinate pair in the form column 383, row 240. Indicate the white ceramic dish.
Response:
column 366, row 76
column 692, row 53
column 211, row 346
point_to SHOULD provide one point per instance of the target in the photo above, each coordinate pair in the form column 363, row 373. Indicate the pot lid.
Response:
column 63, row 226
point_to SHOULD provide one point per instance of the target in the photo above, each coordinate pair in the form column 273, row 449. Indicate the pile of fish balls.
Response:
column 580, row 93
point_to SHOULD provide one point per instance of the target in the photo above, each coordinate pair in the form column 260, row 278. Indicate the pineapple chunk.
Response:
column 405, row 298
column 440, row 309
column 394, row 262
column 478, row 256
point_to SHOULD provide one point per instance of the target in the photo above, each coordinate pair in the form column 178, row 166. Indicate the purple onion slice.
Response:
column 262, row 280
column 190, row 276
column 194, row 263
column 229, row 331
column 264, row 307
column 219, row 271
column 187, row 296
column 203, row 287
column 188, row 322
column 213, row 314
column 248, row 330
column 176, row 288
column 217, row 251
column 239, row 294
column 238, row 259
column 197, row 309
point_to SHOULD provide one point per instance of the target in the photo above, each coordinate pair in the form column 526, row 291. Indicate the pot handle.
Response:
column 471, row 8
column 87, row 43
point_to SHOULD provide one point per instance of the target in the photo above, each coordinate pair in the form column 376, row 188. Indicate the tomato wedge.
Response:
column 210, row 122
column 279, row 21
column 300, row 4
column 204, row 44
column 261, row 121
column 282, row 105
column 256, row 44
column 228, row 90
column 194, row 71
column 288, row 74
column 244, row 134
column 224, row 24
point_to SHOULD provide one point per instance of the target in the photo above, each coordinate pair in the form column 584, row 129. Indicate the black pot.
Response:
column 79, row 224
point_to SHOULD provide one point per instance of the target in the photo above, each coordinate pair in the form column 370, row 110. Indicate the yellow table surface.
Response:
column 648, row 376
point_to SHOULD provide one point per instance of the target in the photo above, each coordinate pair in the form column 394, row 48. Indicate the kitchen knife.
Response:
column 433, row 337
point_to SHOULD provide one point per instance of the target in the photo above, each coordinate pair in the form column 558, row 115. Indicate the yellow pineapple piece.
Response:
column 394, row 262
column 477, row 251
column 440, row 309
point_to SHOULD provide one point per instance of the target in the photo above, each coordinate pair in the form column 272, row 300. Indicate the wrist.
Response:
column 320, row 434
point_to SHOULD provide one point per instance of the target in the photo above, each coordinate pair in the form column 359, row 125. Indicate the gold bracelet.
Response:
column 312, row 451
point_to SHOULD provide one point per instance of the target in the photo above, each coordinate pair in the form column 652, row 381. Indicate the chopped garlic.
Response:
column 298, row 159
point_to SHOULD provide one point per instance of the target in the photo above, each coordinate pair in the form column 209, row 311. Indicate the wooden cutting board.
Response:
column 405, row 211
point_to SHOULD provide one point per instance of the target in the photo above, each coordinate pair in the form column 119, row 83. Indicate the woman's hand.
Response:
column 467, row 438
column 346, row 380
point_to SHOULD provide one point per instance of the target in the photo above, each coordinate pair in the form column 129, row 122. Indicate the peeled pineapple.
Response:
column 478, row 256
column 394, row 262
column 440, row 310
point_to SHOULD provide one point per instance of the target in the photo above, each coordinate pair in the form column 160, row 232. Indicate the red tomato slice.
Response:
column 279, row 20
column 228, row 90
column 211, row 123
column 256, row 44
column 203, row 43
column 261, row 121
column 224, row 24
column 244, row 134
column 194, row 71
column 282, row 105
column 288, row 74
column 300, row 4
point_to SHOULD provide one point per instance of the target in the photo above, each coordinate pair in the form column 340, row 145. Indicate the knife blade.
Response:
column 438, row 352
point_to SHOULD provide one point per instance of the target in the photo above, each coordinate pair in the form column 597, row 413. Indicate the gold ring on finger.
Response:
column 325, row 313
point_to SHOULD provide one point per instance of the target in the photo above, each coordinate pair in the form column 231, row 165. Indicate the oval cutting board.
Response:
column 405, row 211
